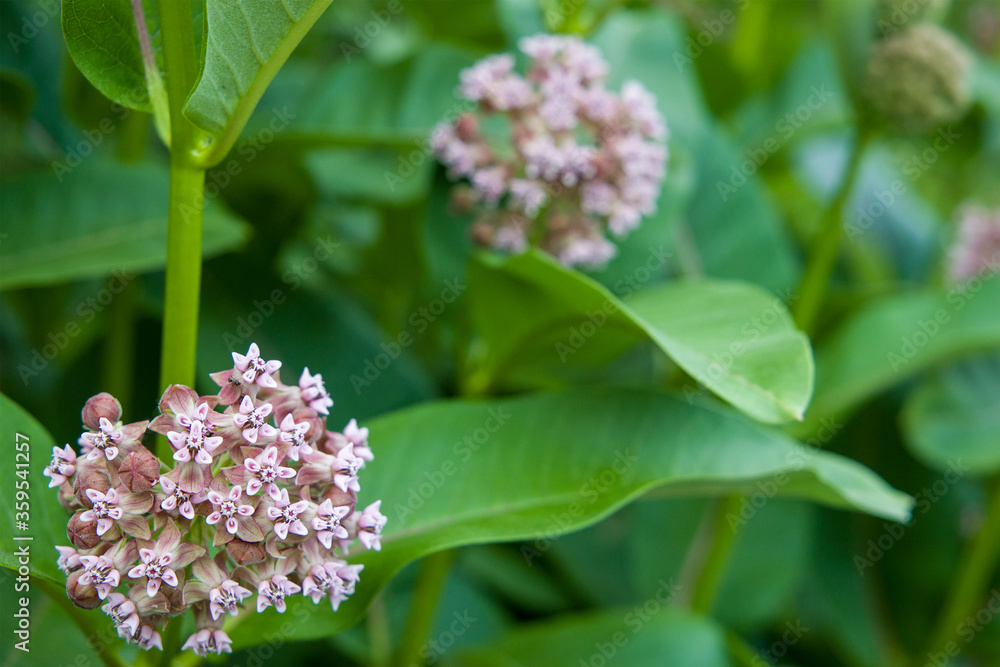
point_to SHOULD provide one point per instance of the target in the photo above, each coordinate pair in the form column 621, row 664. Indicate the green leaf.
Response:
column 534, row 467
column 94, row 220
column 246, row 45
column 101, row 38
column 955, row 416
column 898, row 337
column 734, row 338
column 662, row 635
column 46, row 519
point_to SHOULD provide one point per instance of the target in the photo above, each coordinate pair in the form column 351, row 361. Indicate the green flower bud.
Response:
column 918, row 78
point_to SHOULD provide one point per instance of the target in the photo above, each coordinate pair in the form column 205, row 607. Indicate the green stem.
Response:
column 826, row 245
column 171, row 642
column 426, row 592
column 379, row 637
column 132, row 138
column 978, row 566
column 119, row 349
column 722, row 537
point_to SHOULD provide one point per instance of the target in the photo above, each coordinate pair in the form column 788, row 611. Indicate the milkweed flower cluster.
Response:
column 259, row 501
column 574, row 161
column 976, row 250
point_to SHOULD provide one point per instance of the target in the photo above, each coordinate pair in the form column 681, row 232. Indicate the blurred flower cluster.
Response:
column 572, row 160
column 261, row 500
column 976, row 250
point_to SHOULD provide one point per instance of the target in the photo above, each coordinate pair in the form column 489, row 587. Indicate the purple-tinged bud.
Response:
column 245, row 553
column 102, row 405
column 139, row 471
column 340, row 498
column 91, row 478
column 82, row 595
column 83, row 534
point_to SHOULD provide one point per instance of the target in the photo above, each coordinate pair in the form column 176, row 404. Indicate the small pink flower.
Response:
column 194, row 445
column 228, row 508
column 255, row 370
column 146, row 638
column 266, row 472
column 333, row 579
column 285, row 516
column 272, row 592
column 370, row 526
column 69, row 559
column 167, row 555
column 105, row 509
column 226, row 598
column 61, row 466
column 206, row 641
column 359, row 438
column 345, row 469
column 253, row 420
column 314, row 392
column 104, row 442
column 101, row 573
column 295, row 435
column 122, row 612
column 127, row 510
column 177, row 498
column 326, row 523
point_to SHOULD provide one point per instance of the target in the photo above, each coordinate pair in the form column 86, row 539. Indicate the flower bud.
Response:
column 918, row 78
column 139, row 471
column 91, row 478
column 82, row 534
column 245, row 553
column 82, row 595
column 340, row 498
column 101, row 405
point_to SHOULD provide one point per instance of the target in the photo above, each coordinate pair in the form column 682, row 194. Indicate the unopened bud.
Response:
column 102, row 405
column 340, row 498
column 245, row 553
column 918, row 78
column 82, row 595
column 91, row 478
column 82, row 534
column 139, row 471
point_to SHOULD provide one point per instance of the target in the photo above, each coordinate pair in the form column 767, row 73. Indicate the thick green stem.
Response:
column 977, row 568
column 826, row 246
column 379, row 637
column 430, row 582
column 722, row 537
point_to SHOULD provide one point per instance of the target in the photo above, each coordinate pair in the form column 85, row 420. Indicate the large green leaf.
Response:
column 734, row 338
column 94, row 220
column 896, row 338
column 245, row 46
column 101, row 38
column 464, row 472
column 45, row 520
column 955, row 416
column 648, row 636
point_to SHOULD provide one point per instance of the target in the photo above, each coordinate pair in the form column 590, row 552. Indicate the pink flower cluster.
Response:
column 976, row 249
column 575, row 159
column 261, row 499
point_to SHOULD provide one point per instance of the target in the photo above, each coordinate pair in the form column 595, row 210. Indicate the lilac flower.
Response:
column 104, row 442
column 977, row 247
column 167, row 555
column 272, row 592
column 146, row 638
column 253, row 420
column 285, row 516
column 370, row 526
column 211, row 582
column 206, row 641
column 295, row 435
column 345, row 469
column 592, row 158
column 122, row 612
column 226, row 598
column 61, row 466
column 100, row 572
column 69, row 559
column 314, row 392
column 249, row 374
column 123, row 509
column 194, row 445
column 359, row 438
column 228, row 508
column 333, row 579
column 181, row 406
column 177, row 498
column 327, row 525
column 265, row 472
